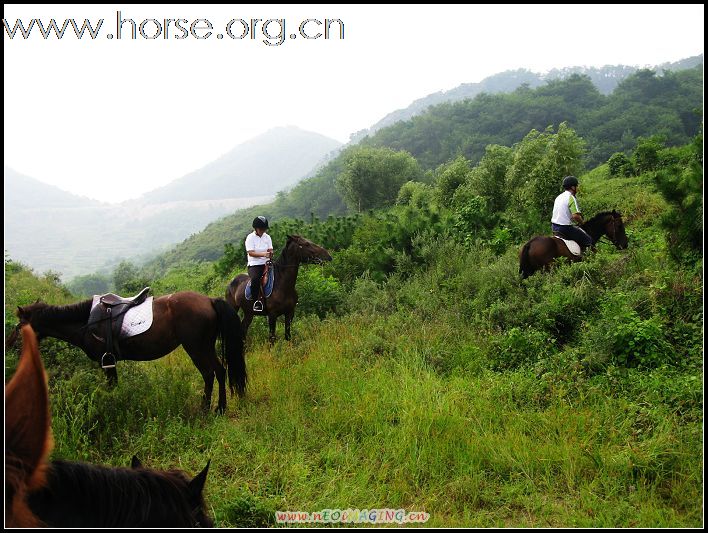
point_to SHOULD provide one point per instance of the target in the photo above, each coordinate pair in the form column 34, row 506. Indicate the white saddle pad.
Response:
column 137, row 319
column 573, row 246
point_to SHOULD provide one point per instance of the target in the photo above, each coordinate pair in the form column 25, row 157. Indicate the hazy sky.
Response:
column 113, row 118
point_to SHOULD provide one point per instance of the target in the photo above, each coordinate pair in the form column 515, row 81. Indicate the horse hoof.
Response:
column 220, row 410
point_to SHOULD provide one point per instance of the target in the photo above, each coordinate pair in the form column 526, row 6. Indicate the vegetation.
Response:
column 423, row 373
column 642, row 106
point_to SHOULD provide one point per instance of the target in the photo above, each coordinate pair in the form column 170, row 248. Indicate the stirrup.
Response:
column 258, row 305
column 110, row 363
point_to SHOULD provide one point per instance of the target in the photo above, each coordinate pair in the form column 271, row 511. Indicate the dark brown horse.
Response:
column 185, row 318
column 66, row 494
column 284, row 297
column 540, row 252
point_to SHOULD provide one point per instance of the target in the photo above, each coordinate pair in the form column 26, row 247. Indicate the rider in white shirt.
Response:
column 566, row 211
column 260, row 249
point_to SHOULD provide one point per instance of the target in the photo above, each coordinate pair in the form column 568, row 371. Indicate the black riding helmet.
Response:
column 570, row 181
column 260, row 222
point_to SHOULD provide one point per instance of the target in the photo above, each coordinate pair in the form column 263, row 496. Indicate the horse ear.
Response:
column 28, row 438
column 135, row 462
column 196, row 486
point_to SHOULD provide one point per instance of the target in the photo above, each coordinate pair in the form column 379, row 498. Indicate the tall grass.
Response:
column 460, row 390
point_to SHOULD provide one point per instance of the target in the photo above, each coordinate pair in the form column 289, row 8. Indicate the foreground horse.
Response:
column 540, row 252
column 185, row 318
column 284, row 297
column 65, row 494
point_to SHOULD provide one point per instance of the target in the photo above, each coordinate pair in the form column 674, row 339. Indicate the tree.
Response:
column 127, row 278
column 89, row 285
column 619, row 165
column 488, row 179
column 681, row 184
column 372, row 177
column 540, row 162
column 448, row 177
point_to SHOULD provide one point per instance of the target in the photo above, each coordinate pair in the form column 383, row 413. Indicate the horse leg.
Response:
column 272, row 320
column 288, row 320
column 112, row 376
column 209, row 366
column 246, row 322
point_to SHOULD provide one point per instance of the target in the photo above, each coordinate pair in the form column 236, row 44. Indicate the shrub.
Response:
column 520, row 347
column 319, row 294
column 620, row 165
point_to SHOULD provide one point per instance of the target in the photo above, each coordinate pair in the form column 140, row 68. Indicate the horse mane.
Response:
column 78, row 312
column 282, row 260
column 84, row 495
column 604, row 214
column 594, row 224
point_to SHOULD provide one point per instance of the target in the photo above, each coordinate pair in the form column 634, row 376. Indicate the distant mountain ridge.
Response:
column 261, row 166
column 605, row 79
column 23, row 191
column 50, row 229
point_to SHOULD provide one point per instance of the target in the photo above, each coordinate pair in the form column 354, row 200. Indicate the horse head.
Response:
column 615, row 230
column 25, row 315
column 39, row 493
column 305, row 250
column 194, row 490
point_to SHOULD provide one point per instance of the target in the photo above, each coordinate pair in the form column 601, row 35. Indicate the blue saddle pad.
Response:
column 268, row 289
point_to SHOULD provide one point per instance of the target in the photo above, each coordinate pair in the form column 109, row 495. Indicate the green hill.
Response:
column 642, row 105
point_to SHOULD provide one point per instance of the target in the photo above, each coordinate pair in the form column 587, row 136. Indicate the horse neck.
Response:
column 81, row 495
column 287, row 267
column 596, row 228
column 65, row 323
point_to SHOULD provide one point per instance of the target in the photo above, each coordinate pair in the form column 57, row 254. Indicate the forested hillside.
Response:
column 642, row 106
column 604, row 78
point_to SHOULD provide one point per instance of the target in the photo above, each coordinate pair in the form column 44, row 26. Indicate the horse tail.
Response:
column 232, row 353
column 525, row 269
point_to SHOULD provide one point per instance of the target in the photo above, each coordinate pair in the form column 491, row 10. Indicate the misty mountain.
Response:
column 261, row 166
column 606, row 79
column 50, row 229
column 22, row 191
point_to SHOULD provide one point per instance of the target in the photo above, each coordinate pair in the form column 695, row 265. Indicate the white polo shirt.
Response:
column 258, row 244
column 563, row 208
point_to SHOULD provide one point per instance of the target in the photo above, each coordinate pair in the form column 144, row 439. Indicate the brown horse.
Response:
column 184, row 318
column 540, row 252
column 67, row 494
column 284, row 297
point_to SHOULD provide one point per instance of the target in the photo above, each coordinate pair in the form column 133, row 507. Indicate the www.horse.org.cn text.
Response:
column 271, row 32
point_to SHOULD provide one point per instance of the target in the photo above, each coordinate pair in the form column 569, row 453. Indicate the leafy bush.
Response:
column 318, row 293
column 638, row 342
column 520, row 347
column 620, row 165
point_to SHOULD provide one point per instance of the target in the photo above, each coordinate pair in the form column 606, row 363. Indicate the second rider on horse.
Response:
column 566, row 211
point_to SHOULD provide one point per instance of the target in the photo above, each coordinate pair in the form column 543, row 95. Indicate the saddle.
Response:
column 573, row 247
column 106, row 321
column 267, row 282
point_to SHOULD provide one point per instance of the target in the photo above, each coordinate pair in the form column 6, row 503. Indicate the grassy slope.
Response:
column 403, row 402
